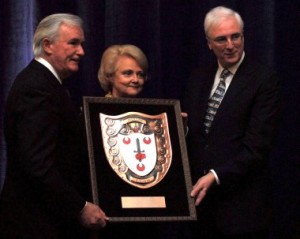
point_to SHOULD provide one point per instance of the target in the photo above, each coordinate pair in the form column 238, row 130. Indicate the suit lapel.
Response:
column 239, row 81
column 57, row 88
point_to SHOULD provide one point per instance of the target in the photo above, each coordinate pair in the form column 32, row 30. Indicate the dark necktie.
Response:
column 215, row 101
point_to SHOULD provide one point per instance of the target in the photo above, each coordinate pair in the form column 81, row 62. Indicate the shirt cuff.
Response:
column 216, row 176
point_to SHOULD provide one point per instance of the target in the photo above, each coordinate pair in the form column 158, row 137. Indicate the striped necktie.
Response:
column 215, row 101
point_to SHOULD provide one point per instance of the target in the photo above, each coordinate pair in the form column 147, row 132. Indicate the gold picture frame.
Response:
column 139, row 166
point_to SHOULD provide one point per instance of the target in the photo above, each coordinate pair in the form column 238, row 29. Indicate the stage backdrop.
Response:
column 170, row 32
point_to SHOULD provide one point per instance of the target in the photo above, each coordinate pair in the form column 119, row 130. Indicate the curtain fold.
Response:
column 17, row 26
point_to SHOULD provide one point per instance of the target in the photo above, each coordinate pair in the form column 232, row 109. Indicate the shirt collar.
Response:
column 49, row 67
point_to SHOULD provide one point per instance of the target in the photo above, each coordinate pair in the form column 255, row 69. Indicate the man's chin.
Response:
column 74, row 69
column 69, row 73
column 231, row 61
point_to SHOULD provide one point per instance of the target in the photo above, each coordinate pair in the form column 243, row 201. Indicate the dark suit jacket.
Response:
column 238, row 145
column 47, row 169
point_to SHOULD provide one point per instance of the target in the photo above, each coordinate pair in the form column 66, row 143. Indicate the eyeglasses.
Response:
column 223, row 40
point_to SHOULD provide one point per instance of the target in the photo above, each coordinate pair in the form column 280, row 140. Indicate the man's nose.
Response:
column 80, row 50
column 229, row 43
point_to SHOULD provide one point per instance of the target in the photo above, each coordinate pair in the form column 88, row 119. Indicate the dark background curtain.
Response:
column 170, row 32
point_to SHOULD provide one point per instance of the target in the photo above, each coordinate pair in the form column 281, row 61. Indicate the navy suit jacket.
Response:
column 46, row 184
column 238, row 144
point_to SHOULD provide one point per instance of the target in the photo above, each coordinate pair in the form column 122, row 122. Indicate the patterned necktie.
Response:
column 215, row 101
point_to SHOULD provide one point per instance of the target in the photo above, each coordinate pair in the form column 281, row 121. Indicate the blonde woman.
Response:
column 123, row 71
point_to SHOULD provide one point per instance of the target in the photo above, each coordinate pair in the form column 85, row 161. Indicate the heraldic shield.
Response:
column 137, row 147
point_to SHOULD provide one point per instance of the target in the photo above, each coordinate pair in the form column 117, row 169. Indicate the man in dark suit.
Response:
column 229, row 141
column 46, row 187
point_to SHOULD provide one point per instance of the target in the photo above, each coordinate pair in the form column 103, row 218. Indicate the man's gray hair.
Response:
column 217, row 15
column 49, row 28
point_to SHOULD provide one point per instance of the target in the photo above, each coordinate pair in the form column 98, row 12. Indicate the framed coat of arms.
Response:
column 138, row 160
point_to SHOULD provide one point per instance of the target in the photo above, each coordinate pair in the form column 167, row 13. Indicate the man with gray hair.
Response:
column 233, row 108
column 46, row 190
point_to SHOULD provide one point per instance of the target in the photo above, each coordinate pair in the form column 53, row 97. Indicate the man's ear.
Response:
column 46, row 44
column 209, row 45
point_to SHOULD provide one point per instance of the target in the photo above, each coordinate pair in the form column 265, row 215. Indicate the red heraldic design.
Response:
column 137, row 146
